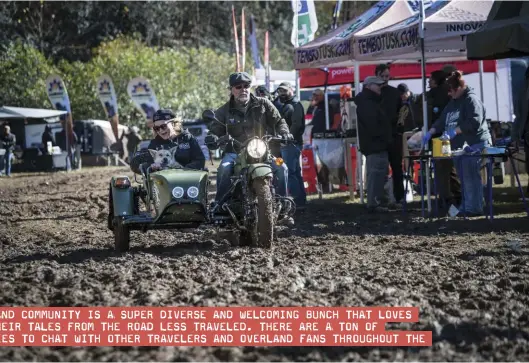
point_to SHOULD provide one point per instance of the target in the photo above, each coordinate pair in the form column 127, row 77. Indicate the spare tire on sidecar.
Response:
column 173, row 198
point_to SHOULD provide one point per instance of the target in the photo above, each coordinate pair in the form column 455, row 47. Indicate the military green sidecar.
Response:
column 172, row 198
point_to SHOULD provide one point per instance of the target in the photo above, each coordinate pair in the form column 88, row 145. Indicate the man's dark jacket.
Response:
column 188, row 153
column 8, row 141
column 261, row 118
column 318, row 118
column 391, row 103
column 294, row 114
column 373, row 124
column 437, row 98
column 409, row 112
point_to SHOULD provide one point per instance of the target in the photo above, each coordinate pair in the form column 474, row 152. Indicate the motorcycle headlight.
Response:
column 192, row 192
column 178, row 192
column 256, row 148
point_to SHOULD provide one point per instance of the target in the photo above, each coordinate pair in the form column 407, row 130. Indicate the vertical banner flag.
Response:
column 267, row 63
column 142, row 94
column 307, row 23
column 253, row 42
column 58, row 96
column 243, row 41
column 107, row 96
column 235, row 35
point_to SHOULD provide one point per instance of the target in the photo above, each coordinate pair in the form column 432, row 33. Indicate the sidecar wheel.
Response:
column 263, row 229
column 121, row 235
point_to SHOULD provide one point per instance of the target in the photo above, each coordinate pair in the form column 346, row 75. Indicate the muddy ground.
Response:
column 469, row 278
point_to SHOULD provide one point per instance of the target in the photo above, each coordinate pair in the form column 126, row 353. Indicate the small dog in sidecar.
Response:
column 173, row 197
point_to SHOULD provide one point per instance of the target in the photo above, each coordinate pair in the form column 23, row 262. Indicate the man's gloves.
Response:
column 224, row 139
column 426, row 137
column 211, row 141
column 288, row 137
column 451, row 133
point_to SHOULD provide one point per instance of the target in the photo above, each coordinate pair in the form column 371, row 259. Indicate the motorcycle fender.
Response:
column 260, row 171
column 123, row 201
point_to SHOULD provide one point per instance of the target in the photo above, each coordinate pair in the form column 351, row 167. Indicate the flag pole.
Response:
column 424, row 105
column 243, row 41
column 238, row 64
column 296, row 30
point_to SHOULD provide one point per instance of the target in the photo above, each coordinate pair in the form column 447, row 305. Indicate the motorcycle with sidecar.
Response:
column 177, row 197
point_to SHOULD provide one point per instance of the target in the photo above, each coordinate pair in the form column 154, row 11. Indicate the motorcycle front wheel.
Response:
column 262, row 230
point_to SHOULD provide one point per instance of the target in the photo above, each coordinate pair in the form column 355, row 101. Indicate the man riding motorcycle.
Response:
column 242, row 117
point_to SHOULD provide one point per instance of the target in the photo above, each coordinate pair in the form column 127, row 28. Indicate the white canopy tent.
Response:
column 446, row 25
column 49, row 116
column 337, row 47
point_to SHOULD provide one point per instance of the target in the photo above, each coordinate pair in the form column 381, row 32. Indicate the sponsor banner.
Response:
column 463, row 28
column 314, row 77
column 398, row 40
column 107, row 95
column 338, row 46
column 449, row 36
column 141, row 93
column 209, row 326
column 57, row 93
column 325, row 54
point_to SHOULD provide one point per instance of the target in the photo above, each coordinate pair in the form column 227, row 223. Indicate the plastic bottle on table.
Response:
column 446, row 148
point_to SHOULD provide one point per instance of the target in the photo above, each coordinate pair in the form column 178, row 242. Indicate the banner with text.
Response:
column 208, row 326
column 402, row 40
column 338, row 46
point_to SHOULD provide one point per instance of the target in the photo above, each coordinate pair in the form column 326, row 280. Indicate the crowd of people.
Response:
column 385, row 113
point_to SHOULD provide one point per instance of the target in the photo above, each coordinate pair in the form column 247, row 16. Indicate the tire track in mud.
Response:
column 472, row 290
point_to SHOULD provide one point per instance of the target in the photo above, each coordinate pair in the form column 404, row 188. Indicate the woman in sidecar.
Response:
column 170, row 135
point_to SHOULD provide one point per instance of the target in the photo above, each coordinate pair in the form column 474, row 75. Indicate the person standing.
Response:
column 9, row 142
column 464, row 120
column 391, row 104
column 375, row 138
column 133, row 140
column 449, row 186
column 408, row 111
column 294, row 114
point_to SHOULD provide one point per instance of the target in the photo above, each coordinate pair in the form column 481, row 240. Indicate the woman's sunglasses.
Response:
column 158, row 128
column 241, row 86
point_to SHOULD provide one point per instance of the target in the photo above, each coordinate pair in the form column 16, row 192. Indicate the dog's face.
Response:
column 163, row 157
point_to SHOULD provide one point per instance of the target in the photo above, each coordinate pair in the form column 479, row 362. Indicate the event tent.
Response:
column 337, row 46
column 505, row 34
column 7, row 112
column 446, row 23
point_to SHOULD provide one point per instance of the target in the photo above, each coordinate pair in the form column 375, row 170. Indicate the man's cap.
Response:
column 163, row 115
column 449, row 68
column 373, row 80
column 239, row 77
column 285, row 85
column 403, row 88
